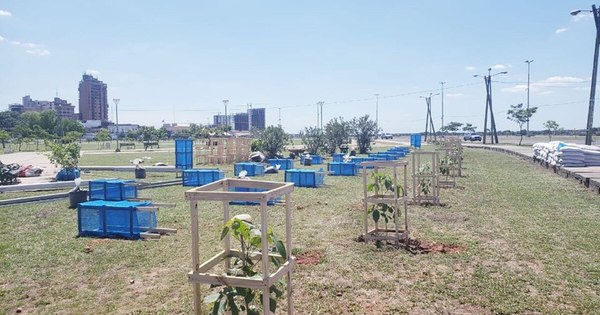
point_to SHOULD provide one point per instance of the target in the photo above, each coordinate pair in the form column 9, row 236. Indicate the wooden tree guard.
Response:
column 222, row 150
column 455, row 144
column 219, row 191
column 419, row 159
column 384, row 234
column 448, row 172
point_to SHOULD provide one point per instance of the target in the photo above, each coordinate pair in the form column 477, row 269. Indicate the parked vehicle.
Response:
column 472, row 137
column 387, row 136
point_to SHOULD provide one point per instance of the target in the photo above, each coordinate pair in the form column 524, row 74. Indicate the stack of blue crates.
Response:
column 342, row 169
column 338, row 157
column 316, row 159
column 199, row 177
column 114, row 219
column 357, row 160
column 383, row 156
column 248, row 202
column 415, row 140
column 286, row 164
column 253, row 169
column 112, row 190
column 184, row 154
column 304, row 177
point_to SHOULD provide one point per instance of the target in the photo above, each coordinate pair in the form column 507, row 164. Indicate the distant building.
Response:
column 123, row 129
column 16, row 107
column 93, row 99
column 62, row 108
column 174, row 128
column 254, row 117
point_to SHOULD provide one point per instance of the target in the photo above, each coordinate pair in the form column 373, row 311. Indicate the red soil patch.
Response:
column 425, row 247
column 309, row 258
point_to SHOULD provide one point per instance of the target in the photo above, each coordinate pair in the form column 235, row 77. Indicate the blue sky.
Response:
column 177, row 60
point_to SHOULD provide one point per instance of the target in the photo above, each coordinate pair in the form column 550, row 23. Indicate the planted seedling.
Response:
column 239, row 299
column 382, row 185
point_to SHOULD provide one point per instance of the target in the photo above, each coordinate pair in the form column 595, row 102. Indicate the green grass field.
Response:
column 529, row 241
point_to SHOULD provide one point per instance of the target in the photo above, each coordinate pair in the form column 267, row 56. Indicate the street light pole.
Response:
column 528, row 77
column 442, row 83
column 377, row 110
column 116, row 100
column 590, row 118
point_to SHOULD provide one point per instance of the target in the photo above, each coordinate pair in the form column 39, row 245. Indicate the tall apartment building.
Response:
column 93, row 99
column 62, row 108
column 254, row 117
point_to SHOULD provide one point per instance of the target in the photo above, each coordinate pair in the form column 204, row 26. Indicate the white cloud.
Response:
column 560, row 30
column 469, row 68
column 499, row 67
column 38, row 52
column 454, row 94
column 545, row 93
column 5, row 13
column 541, row 86
column 29, row 48
column 92, row 72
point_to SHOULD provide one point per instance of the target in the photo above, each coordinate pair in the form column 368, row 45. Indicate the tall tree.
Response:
column 272, row 140
column 552, row 127
column 521, row 116
column 365, row 130
column 8, row 120
column 452, row 126
column 4, row 136
column 337, row 132
column 469, row 128
column 314, row 140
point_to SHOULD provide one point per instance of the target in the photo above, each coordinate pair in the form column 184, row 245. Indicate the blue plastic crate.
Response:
column 316, row 159
column 242, row 202
column 382, row 156
column 304, row 177
column 114, row 219
column 201, row 177
column 286, row 164
column 415, row 140
column 253, row 169
column 342, row 169
column 357, row 160
column 184, row 154
column 112, row 190
column 338, row 157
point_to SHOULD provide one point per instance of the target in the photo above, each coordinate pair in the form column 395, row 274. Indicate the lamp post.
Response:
column 528, row 77
column 590, row 118
column 442, row 83
column 377, row 110
column 488, row 105
column 116, row 100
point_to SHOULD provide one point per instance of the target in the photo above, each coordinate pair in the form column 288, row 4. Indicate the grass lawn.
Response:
column 529, row 244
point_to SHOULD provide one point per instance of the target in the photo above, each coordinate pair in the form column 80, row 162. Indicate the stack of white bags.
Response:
column 562, row 154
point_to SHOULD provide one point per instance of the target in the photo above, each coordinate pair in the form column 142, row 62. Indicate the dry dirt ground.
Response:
column 32, row 158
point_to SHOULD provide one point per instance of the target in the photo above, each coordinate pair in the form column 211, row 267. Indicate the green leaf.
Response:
column 376, row 216
column 211, row 298
column 280, row 247
column 232, row 306
column 218, row 306
column 224, row 232
column 275, row 289
column 272, row 305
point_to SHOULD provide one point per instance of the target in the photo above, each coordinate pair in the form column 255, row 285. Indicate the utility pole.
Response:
column 442, row 83
column 116, row 100
column 279, row 108
column 321, row 103
column 377, row 110
column 429, row 120
column 320, row 114
column 488, row 106
column 225, row 102
column 590, row 118
column 528, row 78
